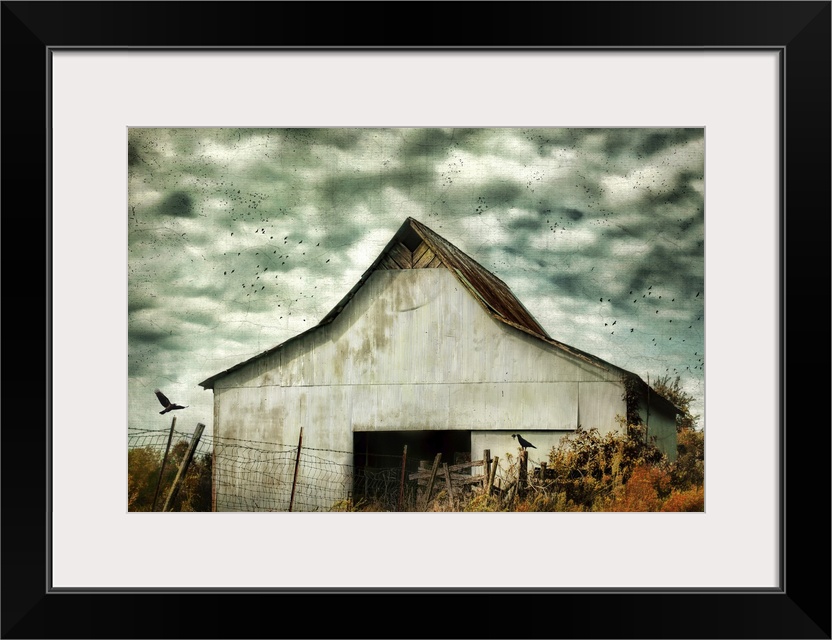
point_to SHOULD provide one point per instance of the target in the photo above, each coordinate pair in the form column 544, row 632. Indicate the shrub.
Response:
column 588, row 467
column 689, row 467
column 644, row 490
column 482, row 502
column 143, row 467
column 692, row 499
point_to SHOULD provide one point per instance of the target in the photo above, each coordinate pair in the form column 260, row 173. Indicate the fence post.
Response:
column 183, row 468
column 431, row 479
column 492, row 475
column 164, row 461
column 297, row 463
column 543, row 466
column 522, row 473
column 448, row 483
column 401, row 482
column 486, row 468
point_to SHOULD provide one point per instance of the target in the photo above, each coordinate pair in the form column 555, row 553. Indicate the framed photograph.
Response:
column 358, row 358
column 135, row 128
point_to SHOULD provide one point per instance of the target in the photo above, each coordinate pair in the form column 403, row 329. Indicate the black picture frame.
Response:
column 800, row 608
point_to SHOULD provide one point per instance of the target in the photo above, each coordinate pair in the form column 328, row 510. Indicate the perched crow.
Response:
column 523, row 442
column 166, row 403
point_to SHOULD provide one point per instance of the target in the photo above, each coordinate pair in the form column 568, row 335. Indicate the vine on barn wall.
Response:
column 632, row 387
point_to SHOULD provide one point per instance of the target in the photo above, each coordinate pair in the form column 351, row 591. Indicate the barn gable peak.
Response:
column 416, row 246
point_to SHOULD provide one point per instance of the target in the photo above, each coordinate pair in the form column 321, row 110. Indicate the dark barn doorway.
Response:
column 377, row 457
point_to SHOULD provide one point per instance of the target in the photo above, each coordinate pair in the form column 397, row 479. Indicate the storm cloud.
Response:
column 242, row 238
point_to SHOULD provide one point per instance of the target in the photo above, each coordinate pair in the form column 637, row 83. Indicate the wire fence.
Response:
column 247, row 475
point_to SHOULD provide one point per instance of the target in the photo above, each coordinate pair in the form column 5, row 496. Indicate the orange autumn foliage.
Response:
column 690, row 500
column 644, row 491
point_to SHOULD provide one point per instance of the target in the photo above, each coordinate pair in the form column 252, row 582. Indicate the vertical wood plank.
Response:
column 164, row 461
column 432, row 479
column 492, row 475
column 522, row 473
column 297, row 464
column 449, row 485
column 486, row 468
column 183, row 468
column 401, row 482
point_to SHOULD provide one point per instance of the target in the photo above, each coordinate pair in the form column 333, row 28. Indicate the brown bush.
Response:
column 689, row 500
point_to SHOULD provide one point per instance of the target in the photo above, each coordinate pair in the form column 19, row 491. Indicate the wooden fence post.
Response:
column 297, row 464
column 486, row 468
column 522, row 472
column 449, row 485
column 183, row 468
column 431, row 479
column 511, row 491
column 492, row 475
column 543, row 474
column 164, row 461
column 401, row 482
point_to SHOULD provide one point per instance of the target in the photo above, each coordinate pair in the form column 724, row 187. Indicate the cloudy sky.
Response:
column 242, row 238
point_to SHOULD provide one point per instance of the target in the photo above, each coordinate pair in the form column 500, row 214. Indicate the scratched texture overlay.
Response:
column 240, row 239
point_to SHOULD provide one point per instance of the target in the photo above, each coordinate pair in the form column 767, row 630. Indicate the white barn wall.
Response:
column 413, row 350
column 600, row 403
column 263, row 415
column 414, row 326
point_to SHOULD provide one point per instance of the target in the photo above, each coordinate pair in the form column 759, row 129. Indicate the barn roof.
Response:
column 415, row 246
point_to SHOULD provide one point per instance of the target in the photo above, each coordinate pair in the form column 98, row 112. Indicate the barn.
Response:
column 430, row 350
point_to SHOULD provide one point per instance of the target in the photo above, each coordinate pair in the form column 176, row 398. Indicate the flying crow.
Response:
column 523, row 442
column 167, row 403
